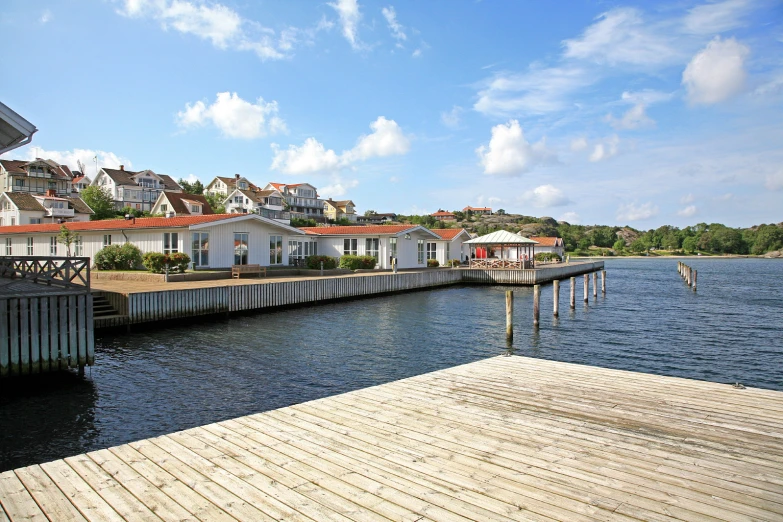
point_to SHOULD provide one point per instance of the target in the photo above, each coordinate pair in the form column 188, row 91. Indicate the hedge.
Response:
column 157, row 262
column 118, row 257
column 357, row 262
column 314, row 262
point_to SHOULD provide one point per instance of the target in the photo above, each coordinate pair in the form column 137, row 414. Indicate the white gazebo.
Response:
column 502, row 249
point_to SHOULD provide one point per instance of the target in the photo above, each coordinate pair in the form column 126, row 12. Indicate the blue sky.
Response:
column 593, row 112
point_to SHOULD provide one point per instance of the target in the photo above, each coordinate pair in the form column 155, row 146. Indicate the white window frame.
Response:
column 198, row 240
column 420, row 251
column 30, row 246
column 78, row 246
column 106, row 240
column 432, row 251
column 53, row 246
column 170, row 242
column 372, row 247
column 275, row 249
column 9, row 246
column 350, row 246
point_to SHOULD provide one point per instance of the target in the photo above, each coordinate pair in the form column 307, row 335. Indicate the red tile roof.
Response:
column 77, row 179
column 358, row 230
column 547, row 241
column 448, row 233
column 477, row 208
column 116, row 224
column 442, row 213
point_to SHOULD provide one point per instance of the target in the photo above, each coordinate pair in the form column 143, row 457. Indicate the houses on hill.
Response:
column 137, row 190
column 35, row 177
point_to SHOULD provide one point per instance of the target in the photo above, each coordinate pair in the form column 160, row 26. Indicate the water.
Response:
column 159, row 381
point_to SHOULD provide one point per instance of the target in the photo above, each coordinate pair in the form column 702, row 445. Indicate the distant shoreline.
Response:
column 730, row 256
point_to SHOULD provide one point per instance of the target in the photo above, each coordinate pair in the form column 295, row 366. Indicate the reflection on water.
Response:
column 158, row 381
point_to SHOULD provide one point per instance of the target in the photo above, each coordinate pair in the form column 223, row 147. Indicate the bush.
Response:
column 433, row 263
column 314, row 262
column 118, row 257
column 548, row 256
column 357, row 262
column 157, row 262
column 453, row 262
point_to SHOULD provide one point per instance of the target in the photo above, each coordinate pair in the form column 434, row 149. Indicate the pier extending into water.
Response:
column 507, row 438
column 139, row 303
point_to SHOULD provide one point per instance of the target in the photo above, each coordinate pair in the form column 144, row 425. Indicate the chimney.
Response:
column 51, row 193
column 236, row 176
column 122, row 167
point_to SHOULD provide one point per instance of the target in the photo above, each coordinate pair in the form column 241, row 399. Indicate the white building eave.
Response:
column 15, row 131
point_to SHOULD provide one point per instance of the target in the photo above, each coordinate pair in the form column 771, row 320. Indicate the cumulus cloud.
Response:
column 688, row 198
column 509, row 153
column 688, row 211
column 606, row 149
column 578, row 144
column 452, row 118
column 634, row 118
column 348, row 11
column 416, row 53
column 633, row 212
column 774, row 181
column 338, row 187
column 387, row 139
column 571, row 217
column 620, row 36
column 86, row 156
column 235, row 117
column 397, row 30
column 716, row 17
column 46, row 16
column 717, row 72
column 545, row 196
column 646, row 96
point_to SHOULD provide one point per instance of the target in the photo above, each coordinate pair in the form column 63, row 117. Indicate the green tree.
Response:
column 368, row 213
column 619, row 245
column 689, row 244
column 500, row 212
column 216, row 202
column 100, row 201
column 639, row 245
column 767, row 238
column 191, row 188
column 67, row 238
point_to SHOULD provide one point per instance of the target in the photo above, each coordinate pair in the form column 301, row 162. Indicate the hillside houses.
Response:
column 137, row 190
column 35, row 177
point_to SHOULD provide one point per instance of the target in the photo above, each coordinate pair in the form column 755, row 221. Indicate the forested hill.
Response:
column 712, row 238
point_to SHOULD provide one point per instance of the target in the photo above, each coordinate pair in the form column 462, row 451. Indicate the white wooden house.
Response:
column 138, row 190
column 35, row 177
column 181, row 204
column 223, row 186
column 211, row 241
column 450, row 245
column 266, row 203
column 21, row 208
column 549, row 244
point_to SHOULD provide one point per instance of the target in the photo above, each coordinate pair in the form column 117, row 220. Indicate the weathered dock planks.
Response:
column 508, row 438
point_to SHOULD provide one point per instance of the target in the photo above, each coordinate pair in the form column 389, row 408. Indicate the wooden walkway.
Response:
column 508, row 438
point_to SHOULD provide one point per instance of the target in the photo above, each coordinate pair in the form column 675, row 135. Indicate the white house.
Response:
column 181, row 204
column 408, row 243
column 138, row 190
column 549, row 244
column 35, row 177
column 450, row 245
column 80, row 182
column 223, row 186
column 301, row 199
column 21, row 208
column 211, row 241
column 267, row 203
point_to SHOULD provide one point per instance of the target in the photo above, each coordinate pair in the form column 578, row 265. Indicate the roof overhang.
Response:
column 244, row 217
column 15, row 131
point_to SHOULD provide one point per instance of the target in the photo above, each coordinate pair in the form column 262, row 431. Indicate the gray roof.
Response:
column 24, row 201
column 501, row 237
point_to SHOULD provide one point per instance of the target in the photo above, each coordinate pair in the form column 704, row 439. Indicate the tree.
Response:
column 100, row 201
column 191, row 188
column 216, row 202
column 368, row 213
column 67, row 238
column 619, row 245
column 500, row 212
column 689, row 244
column 767, row 239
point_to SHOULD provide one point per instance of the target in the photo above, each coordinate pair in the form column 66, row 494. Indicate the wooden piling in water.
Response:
column 694, row 280
column 573, row 293
column 603, row 281
column 536, row 303
column 586, row 285
column 556, row 297
column 509, row 315
column 595, row 284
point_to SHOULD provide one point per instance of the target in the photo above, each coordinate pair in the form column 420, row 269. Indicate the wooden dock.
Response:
column 508, row 438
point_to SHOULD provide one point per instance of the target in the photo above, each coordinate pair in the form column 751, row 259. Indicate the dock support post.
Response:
column 603, row 281
column 509, row 315
column 81, row 371
column 688, row 275
column 595, row 284
column 694, row 280
column 322, row 268
column 556, row 297
column 586, row 285
column 573, row 293
column 536, row 304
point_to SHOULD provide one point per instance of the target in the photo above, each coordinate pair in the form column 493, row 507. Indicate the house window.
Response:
column 53, row 246
column 200, row 248
column 432, row 250
column 29, row 246
column 19, row 182
column 78, row 246
column 8, row 248
column 196, row 209
column 240, row 248
column 420, row 251
column 275, row 250
column 164, row 208
column 170, row 242
column 371, row 247
column 52, row 185
column 106, row 240
column 294, row 249
column 311, row 249
column 392, row 247
column 35, row 221
column 350, row 247
column 448, row 252
column 13, row 221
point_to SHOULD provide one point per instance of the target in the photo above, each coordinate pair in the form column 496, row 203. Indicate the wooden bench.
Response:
column 236, row 270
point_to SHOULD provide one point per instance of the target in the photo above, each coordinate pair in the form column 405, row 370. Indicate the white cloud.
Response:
column 86, row 156
column 634, row 118
column 545, row 196
column 571, row 217
column 688, row 211
column 538, row 91
column 387, row 139
column 339, row 187
column 509, row 153
column 578, row 144
column 46, row 16
column 397, row 30
column 774, row 181
column 771, row 87
column 192, row 178
column 716, row 17
column 606, row 149
column 452, row 118
column 311, row 157
column 633, row 212
column 725, row 197
column 620, row 36
column 416, row 53
column 348, row 10
column 687, row 199
column 646, row 96
column 717, row 72
column 235, row 117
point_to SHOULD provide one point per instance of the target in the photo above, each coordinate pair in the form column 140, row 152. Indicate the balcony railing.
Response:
column 60, row 212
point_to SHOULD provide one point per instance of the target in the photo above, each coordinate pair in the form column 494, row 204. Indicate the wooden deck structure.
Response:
column 508, row 438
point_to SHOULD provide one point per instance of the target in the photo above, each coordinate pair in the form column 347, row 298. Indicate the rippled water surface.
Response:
column 158, row 381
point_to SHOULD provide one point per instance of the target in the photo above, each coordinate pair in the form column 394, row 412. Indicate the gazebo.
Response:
column 502, row 249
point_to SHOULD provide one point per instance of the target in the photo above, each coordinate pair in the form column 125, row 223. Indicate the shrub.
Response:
column 453, row 262
column 154, row 262
column 118, row 257
column 357, row 262
column 548, row 256
column 178, row 261
column 314, row 262
column 433, row 263
column 157, row 262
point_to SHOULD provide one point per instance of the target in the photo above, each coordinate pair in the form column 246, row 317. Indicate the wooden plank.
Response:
column 16, row 501
column 86, row 500
column 47, row 495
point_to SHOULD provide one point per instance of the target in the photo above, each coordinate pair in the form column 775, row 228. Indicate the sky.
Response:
column 592, row 112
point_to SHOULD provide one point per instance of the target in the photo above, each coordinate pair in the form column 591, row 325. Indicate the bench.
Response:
column 236, row 270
